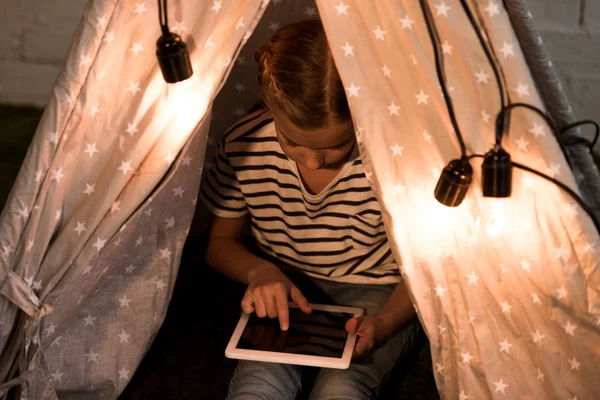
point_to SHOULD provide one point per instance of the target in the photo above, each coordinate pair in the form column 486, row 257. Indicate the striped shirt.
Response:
column 336, row 235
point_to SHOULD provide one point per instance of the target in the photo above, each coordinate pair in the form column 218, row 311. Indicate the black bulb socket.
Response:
column 496, row 173
column 173, row 58
column 454, row 182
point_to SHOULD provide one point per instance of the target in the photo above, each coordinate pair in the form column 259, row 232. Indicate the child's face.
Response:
column 315, row 148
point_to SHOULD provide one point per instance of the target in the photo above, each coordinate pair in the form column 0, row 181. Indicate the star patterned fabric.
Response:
column 508, row 290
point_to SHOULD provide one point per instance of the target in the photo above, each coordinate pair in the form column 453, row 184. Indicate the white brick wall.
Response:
column 36, row 35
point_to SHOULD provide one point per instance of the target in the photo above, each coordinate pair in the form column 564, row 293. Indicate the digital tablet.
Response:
column 318, row 339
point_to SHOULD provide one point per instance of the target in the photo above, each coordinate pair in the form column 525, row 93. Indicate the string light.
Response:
column 497, row 165
column 171, row 50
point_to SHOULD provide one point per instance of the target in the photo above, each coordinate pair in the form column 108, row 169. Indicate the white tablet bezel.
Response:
column 297, row 359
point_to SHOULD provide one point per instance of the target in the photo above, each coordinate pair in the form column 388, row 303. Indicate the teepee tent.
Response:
column 508, row 290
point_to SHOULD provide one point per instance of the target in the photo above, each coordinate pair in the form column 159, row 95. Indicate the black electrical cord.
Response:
column 439, row 65
column 162, row 14
column 558, row 183
column 590, row 143
column 488, row 53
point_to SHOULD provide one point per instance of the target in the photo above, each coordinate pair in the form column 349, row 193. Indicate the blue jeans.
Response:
column 362, row 380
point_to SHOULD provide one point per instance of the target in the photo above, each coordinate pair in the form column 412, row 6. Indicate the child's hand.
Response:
column 268, row 292
column 371, row 333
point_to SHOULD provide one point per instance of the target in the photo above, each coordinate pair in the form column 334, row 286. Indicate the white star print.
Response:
column 439, row 290
column 124, row 373
column 540, row 375
column 139, row 241
column 123, row 337
column 115, row 207
column 160, row 285
column 505, row 307
column 571, row 211
column 30, row 245
column 94, row 110
column 170, row 157
column 348, row 50
column 396, row 150
column 92, row 357
column 85, row 61
column 86, row 270
column 57, row 175
column 50, row 329
column 58, row 214
column 136, row 47
column 536, row 298
column 492, row 8
column 525, row 265
column 165, row 253
column 439, row 368
column 148, row 212
column 369, row 176
column 80, row 228
column 406, row 22
column 240, row 24
column 99, row 243
column 473, row 278
column 589, row 248
column 413, row 59
column 131, row 128
column 463, row 396
column 342, row 8
column 522, row 90
column 170, row 222
column 507, row 49
column 186, row 160
column 505, row 346
column 500, row 386
column 57, row 376
column 386, row 71
column 91, row 149
column 53, row 137
column 39, row 175
column 178, row 191
column 522, row 143
column 482, row 77
column 562, row 293
column 179, row 27
column 353, row 90
column 217, row 5
column 442, row 9
column 393, row 108
column 561, row 253
column 570, row 328
column 109, row 37
column 422, row 98
column 133, row 87
column 125, row 167
column 554, row 170
column 466, row 357
column 124, row 301
column 130, row 269
column 427, row 136
column 537, row 337
column 140, row 8
column 379, row 33
column 89, row 320
column 89, row 189
column 446, row 48
column 442, row 328
column 274, row 26
column 209, row 43
column 240, row 87
column 56, row 341
column 472, row 317
column 310, row 12
column 155, row 318
column 574, row 364
column 485, row 116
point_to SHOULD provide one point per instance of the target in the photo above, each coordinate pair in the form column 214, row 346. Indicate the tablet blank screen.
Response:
column 320, row 333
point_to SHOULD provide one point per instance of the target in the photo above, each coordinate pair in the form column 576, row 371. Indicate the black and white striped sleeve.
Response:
column 221, row 191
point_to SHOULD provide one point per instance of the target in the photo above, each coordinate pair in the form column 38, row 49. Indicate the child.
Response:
column 293, row 170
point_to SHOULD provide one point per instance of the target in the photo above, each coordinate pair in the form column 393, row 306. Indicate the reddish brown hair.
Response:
column 297, row 73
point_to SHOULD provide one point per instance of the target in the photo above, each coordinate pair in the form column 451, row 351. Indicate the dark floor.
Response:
column 186, row 360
